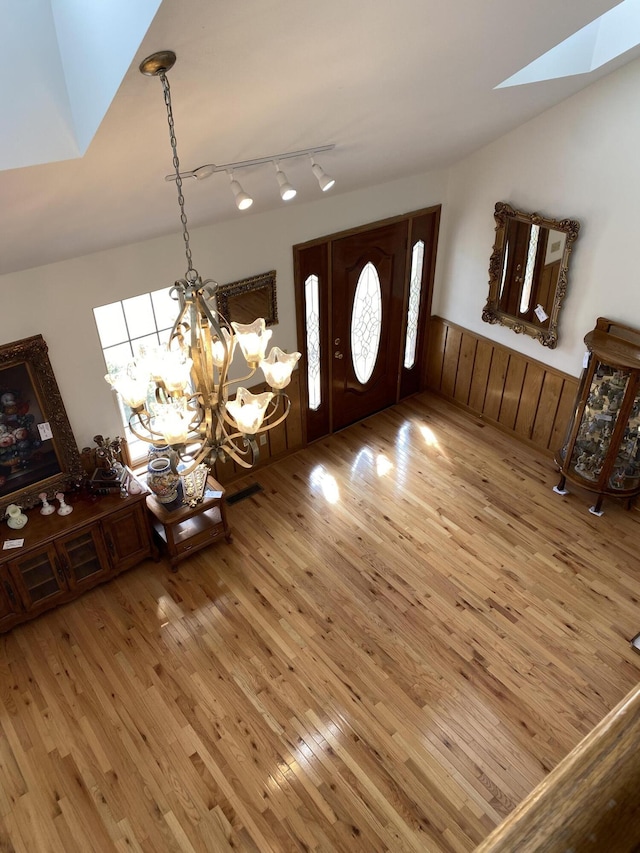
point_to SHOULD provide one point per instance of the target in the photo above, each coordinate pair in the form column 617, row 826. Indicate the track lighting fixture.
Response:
column 324, row 180
column 243, row 200
column 287, row 192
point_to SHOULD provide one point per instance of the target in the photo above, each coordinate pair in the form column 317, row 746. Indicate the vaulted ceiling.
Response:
column 400, row 88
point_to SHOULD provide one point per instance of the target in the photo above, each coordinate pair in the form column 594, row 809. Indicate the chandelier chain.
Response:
column 176, row 165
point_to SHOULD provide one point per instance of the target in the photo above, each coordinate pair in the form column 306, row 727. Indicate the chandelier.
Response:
column 179, row 393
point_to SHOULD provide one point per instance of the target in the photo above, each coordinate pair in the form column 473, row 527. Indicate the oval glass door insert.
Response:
column 366, row 323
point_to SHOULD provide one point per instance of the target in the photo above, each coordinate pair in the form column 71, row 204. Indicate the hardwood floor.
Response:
column 409, row 630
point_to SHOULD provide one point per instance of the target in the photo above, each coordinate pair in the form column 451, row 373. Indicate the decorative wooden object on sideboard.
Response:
column 62, row 556
column 601, row 450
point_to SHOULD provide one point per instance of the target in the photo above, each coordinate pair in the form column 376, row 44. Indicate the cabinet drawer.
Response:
column 197, row 531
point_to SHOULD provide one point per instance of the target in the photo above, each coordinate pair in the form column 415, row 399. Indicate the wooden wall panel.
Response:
column 522, row 396
column 495, row 384
column 561, row 422
column 466, row 363
column 512, row 393
column 450, row 361
column 547, row 408
column 437, row 344
column 480, row 378
column 529, row 400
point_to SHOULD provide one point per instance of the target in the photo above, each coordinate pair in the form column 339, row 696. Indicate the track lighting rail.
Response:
column 209, row 169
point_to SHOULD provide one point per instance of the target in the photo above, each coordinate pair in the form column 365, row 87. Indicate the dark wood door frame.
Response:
column 314, row 258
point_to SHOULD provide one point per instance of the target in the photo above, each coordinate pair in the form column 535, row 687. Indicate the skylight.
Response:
column 609, row 36
column 75, row 57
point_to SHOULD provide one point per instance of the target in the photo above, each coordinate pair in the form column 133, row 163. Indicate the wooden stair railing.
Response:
column 589, row 802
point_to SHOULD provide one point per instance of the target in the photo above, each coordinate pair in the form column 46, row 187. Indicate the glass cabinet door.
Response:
column 39, row 577
column 83, row 557
column 9, row 604
column 626, row 469
column 593, row 441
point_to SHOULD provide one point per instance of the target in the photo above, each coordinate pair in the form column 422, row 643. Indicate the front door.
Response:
column 363, row 301
column 368, row 272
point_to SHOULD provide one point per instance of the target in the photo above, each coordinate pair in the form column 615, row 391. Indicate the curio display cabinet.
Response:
column 601, row 450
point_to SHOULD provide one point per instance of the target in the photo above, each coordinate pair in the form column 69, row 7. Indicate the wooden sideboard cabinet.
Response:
column 63, row 556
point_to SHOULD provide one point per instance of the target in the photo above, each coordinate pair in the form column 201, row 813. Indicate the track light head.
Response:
column 325, row 181
column 287, row 192
column 243, row 200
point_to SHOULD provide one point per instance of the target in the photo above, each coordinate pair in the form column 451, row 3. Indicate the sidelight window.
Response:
column 413, row 307
column 312, row 317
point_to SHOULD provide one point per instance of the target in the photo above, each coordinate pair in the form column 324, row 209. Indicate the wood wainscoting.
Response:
column 280, row 441
column 519, row 395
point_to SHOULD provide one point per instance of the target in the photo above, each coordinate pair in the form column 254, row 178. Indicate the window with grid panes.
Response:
column 124, row 327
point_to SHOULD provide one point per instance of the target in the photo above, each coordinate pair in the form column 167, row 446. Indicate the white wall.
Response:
column 578, row 160
column 56, row 301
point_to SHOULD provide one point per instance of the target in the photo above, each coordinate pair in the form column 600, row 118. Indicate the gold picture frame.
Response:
column 508, row 266
column 246, row 300
column 38, row 452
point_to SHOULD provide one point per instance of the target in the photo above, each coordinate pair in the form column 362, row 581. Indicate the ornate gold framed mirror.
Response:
column 243, row 301
column 528, row 272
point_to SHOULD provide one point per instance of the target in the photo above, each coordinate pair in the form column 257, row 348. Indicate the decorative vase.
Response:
column 162, row 451
column 15, row 517
column 163, row 480
column 157, row 450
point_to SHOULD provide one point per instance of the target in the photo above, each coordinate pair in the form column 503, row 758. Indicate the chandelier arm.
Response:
column 202, row 454
column 272, row 424
column 213, row 317
column 242, row 379
column 146, row 426
column 234, row 452
column 178, row 288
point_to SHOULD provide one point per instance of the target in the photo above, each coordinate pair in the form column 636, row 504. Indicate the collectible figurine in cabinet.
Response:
column 601, row 450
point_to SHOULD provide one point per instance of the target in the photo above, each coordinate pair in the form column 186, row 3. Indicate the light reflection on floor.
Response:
column 392, row 461
column 321, row 480
column 429, row 436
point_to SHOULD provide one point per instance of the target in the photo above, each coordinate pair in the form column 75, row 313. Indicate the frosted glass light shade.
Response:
column 219, row 349
column 172, row 421
column 253, row 339
column 133, row 391
column 172, row 367
column 176, row 370
column 278, row 366
column 248, row 410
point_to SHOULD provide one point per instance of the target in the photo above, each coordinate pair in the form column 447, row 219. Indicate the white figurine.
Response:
column 63, row 509
column 15, row 517
column 46, row 508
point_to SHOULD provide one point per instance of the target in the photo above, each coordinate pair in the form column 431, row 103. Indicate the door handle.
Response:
column 111, row 547
column 60, row 565
column 337, row 354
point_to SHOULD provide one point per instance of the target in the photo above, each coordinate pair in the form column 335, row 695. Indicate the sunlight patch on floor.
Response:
column 383, row 465
column 321, row 480
column 429, row 436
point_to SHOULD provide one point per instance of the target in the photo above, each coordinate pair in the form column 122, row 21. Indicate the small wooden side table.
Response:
column 185, row 529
